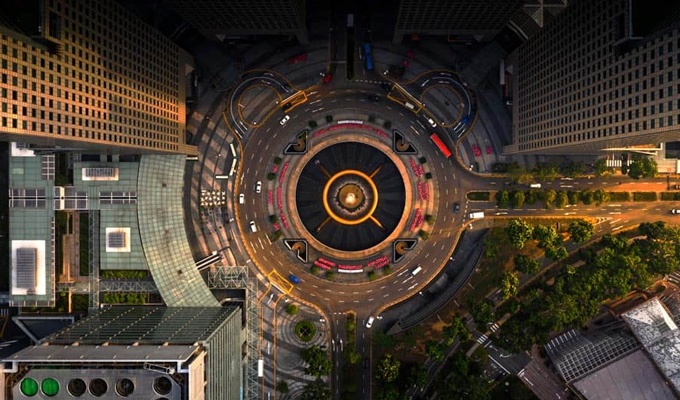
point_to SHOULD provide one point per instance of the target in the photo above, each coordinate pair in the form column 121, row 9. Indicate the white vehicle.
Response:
column 369, row 323
column 253, row 228
column 476, row 215
column 241, row 198
column 535, row 186
column 258, row 187
column 284, row 120
column 409, row 106
column 675, row 211
column 432, row 123
column 416, row 270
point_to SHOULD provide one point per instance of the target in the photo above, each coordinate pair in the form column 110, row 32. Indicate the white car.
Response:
column 369, row 323
column 241, row 198
column 253, row 228
column 431, row 122
column 284, row 120
column 675, row 211
column 258, row 187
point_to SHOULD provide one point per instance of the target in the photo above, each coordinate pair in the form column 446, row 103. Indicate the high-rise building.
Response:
column 88, row 74
column 481, row 19
column 138, row 352
column 601, row 75
column 218, row 20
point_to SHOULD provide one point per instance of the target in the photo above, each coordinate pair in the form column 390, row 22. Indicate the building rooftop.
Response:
column 632, row 377
column 94, row 354
column 654, row 327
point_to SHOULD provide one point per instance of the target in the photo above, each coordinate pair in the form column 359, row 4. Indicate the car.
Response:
column 675, row 211
column 367, row 363
column 327, row 77
column 293, row 279
column 253, row 228
column 297, row 58
column 258, row 187
column 369, row 323
column 284, row 120
column 456, row 207
column 431, row 122
column 241, row 198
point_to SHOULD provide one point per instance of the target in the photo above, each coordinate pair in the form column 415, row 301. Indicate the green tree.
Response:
column 601, row 196
column 491, row 247
column 547, row 236
column 549, row 197
column 387, row 392
column 572, row 169
column 526, row 264
column 574, row 197
column 562, row 199
column 518, row 232
column 587, row 197
column 316, row 390
column 350, row 354
column 545, row 172
column 282, row 387
column 509, row 283
column 317, row 360
column 455, row 329
column 642, row 167
column 517, row 199
column 531, row 197
column 502, row 199
column 387, row 369
column 417, row 376
column 382, row 339
column 580, row 231
column 481, row 311
column 556, row 252
column 601, row 167
column 434, row 350
column 518, row 173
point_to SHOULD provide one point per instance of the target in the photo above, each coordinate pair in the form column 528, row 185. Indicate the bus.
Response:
column 368, row 56
column 442, row 147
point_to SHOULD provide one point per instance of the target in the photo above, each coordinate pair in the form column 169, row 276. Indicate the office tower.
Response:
column 602, row 75
column 88, row 74
column 478, row 20
column 218, row 20
column 138, row 352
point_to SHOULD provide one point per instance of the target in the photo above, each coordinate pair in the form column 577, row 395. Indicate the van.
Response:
column 476, row 215
column 535, row 186
column 409, row 106
column 416, row 270
column 253, row 228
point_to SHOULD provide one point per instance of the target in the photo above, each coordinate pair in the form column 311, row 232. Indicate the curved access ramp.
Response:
column 164, row 240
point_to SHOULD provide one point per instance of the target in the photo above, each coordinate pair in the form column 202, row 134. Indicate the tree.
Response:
column 509, row 283
column 549, row 197
column 526, row 264
column 387, row 369
column 574, row 197
column 350, row 354
column 601, row 196
column 547, row 236
column 556, row 253
column 642, row 167
column 518, row 232
column 417, row 376
column 292, row 309
column 518, row 173
column 580, row 231
column 481, row 311
column 382, row 339
column 545, row 172
column 318, row 362
column 517, row 199
column 387, row 392
column 601, row 167
column 502, row 199
column 562, row 199
column 531, row 197
column 491, row 247
column 282, row 387
column 572, row 169
column 316, row 390
column 434, row 350
column 587, row 197
column 455, row 329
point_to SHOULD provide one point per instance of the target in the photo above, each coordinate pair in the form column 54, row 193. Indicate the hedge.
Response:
column 670, row 196
column 644, row 196
column 479, row 196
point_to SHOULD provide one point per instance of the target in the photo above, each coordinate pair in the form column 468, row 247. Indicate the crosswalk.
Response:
column 482, row 339
column 674, row 278
column 494, row 327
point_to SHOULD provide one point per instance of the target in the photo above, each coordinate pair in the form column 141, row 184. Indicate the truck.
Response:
column 477, row 215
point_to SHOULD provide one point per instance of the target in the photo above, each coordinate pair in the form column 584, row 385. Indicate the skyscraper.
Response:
column 479, row 18
column 88, row 74
column 218, row 19
column 138, row 352
column 602, row 74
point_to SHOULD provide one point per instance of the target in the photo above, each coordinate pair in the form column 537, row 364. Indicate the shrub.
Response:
column 428, row 175
column 305, row 330
column 276, row 235
column 313, row 124
column 387, row 270
column 371, row 118
column 670, row 196
column 479, row 196
column 502, row 199
column 273, row 219
column 292, row 309
column 329, row 118
column 429, row 219
column 277, row 160
column 644, row 196
column 619, row 196
column 282, row 387
column 314, row 269
column 271, row 176
column 371, row 275
column 424, row 234
column 422, row 160
column 387, row 124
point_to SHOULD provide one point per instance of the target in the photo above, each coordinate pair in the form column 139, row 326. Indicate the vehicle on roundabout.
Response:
column 241, row 198
column 284, row 120
column 258, row 187
column 253, row 228
column 369, row 323
column 294, row 279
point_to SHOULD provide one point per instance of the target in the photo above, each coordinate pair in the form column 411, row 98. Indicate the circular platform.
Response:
column 350, row 196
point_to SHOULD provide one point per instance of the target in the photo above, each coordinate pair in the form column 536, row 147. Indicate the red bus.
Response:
column 442, row 147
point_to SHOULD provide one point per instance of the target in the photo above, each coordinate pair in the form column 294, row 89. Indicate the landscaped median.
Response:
column 561, row 198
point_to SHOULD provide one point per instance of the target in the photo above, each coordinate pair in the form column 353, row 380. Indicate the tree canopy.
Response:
column 318, row 362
